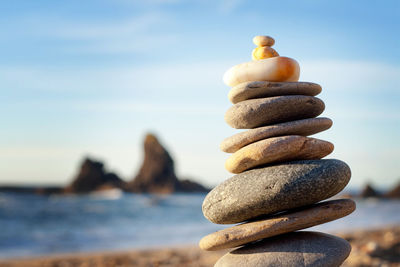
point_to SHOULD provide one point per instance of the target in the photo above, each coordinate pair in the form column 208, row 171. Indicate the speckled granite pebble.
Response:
column 254, row 113
column 276, row 188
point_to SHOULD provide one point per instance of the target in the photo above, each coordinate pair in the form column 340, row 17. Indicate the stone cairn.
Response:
column 280, row 176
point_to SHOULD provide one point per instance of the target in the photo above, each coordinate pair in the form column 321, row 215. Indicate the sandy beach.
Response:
column 379, row 247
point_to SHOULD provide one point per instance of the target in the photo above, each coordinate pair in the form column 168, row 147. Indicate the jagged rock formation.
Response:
column 91, row 177
column 157, row 173
column 369, row 191
column 394, row 193
column 187, row 185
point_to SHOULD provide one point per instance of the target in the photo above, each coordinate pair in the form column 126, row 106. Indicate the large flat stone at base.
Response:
column 308, row 249
column 275, row 225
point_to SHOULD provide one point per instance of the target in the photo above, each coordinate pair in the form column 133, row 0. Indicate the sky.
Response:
column 91, row 78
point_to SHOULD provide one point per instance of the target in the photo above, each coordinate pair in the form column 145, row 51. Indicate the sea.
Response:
column 35, row 225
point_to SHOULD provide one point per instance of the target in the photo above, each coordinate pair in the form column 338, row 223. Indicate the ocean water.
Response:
column 32, row 225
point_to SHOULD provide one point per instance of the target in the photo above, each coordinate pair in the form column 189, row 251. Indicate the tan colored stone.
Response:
column 279, row 224
column 274, row 69
column 254, row 113
column 263, row 40
column 300, row 127
column 263, row 52
column 277, row 149
column 262, row 89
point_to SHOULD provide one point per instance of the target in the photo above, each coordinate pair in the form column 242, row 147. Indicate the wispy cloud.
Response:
column 148, row 107
column 178, row 78
column 145, row 3
column 98, row 30
column 136, row 33
column 352, row 76
column 229, row 6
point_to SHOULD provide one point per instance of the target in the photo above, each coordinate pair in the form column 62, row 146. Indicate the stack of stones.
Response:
column 280, row 176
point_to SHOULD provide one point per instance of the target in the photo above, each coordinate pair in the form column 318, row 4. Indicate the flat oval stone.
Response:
column 262, row 89
column 263, row 40
column 274, row 69
column 300, row 127
column 254, row 113
column 277, row 149
column 306, row 249
column 275, row 188
column 275, row 225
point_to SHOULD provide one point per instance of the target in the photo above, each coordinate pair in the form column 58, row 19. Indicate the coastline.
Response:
column 373, row 247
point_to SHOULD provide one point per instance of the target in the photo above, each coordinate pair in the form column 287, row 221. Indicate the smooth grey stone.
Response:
column 261, row 89
column 308, row 249
column 275, row 188
column 281, row 223
column 253, row 113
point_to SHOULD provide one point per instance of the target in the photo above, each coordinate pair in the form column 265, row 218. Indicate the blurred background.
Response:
column 86, row 84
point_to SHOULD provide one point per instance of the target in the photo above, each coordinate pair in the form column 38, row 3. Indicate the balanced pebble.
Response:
column 275, row 188
column 300, row 127
column 266, row 111
column 262, row 89
column 277, row 149
column 305, row 249
column 263, row 53
column 279, row 224
column 261, row 40
column 274, row 69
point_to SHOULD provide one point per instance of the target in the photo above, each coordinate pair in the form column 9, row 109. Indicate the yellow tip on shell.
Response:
column 263, row 53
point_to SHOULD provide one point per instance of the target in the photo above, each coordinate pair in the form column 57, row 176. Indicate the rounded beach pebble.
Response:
column 275, row 188
column 263, row 53
column 306, row 249
column 277, row 149
column 263, row 40
column 262, row 89
column 266, row 111
column 300, row 127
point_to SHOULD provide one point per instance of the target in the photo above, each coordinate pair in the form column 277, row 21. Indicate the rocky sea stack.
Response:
column 93, row 177
column 157, row 173
column 280, row 174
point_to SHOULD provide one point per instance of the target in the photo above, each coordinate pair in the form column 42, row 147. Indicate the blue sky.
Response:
column 91, row 78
